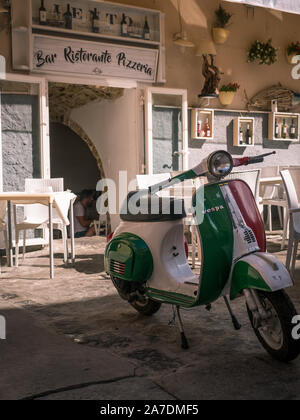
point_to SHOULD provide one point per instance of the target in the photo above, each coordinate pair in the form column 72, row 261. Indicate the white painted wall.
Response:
column 113, row 127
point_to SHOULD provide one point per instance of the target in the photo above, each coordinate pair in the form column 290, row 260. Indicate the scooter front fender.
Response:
column 259, row 271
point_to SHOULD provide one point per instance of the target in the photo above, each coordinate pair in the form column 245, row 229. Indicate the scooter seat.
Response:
column 142, row 207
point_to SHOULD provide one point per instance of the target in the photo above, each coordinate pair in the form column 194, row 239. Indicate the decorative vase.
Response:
column 220, row 35
column 226, row 98
column 290, row 57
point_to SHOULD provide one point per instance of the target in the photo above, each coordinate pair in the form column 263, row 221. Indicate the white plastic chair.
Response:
column 103, row 219
column 274, row 196
column 43, row 185
column 3, row 227
column 185, row 191
column 36, row 216
column 291, row 180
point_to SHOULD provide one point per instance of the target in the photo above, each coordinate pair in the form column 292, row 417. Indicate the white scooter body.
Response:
column 165, row 240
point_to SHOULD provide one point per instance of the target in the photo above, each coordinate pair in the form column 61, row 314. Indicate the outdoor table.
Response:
column 50, row 199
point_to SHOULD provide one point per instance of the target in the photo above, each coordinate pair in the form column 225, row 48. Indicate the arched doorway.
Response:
column 73, row 155
column 73, row 159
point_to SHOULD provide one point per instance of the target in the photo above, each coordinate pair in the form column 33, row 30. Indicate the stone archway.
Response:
column 81, row 134
column 63, row 98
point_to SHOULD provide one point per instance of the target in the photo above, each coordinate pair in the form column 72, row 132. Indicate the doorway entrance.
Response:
column 166, row 113
column 72, row 159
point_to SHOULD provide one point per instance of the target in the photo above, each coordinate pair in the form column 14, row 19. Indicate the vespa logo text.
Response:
column 296, row 330
column 2, row 328
column 213, row 210
column 296, row 69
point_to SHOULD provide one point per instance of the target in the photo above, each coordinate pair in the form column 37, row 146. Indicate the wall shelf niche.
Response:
column 240, row 128
column 284, row 127
column 200, row 119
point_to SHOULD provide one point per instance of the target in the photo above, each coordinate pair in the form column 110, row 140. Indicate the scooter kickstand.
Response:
column 184, row 342
column 236, row 324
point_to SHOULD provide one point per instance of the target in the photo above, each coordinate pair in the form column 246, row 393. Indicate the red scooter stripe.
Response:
column 246, row 202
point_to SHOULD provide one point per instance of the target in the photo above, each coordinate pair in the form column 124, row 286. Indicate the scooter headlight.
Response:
column 220, row 164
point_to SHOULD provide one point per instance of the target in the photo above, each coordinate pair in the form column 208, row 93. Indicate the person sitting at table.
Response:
column 82, row 225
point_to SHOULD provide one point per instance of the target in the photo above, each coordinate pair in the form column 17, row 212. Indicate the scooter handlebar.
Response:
column 251, row 160
column 204, row 168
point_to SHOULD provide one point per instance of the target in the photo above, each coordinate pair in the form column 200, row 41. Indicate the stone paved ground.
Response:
column 82, row 305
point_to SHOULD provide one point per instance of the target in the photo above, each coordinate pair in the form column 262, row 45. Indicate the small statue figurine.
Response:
column 212, row 77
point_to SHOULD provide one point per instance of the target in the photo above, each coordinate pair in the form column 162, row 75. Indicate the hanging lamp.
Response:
column 181, row 38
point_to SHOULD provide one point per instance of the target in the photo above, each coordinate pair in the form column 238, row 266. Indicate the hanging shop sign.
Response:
column 69, row 56
column 289, row 6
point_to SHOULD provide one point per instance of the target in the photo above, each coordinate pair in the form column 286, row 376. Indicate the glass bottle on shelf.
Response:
column 293, row 130
column 241, row 136
column 95, row 21
column 248, row 135
column 276, row 129
column 199, row 128
column 146, row 31
column 42, row 14
column 68, row 18
column 284, row 130
column 207, row 128
column 124, row 26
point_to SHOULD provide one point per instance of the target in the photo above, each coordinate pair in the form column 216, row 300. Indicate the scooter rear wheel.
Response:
column 147, row 307
column 140, row 303
column 275, row 334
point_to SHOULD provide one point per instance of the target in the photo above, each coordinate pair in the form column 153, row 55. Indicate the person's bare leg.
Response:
column 91, row 232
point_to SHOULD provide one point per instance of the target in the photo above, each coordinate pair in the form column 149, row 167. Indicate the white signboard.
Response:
column 291, row 6
column 52, row 54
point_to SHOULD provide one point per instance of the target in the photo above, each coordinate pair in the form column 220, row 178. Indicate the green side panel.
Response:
column 216, row 232
column 246, row 277
column 128, row 257
column 172, row 298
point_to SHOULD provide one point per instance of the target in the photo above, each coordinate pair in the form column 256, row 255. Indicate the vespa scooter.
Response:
column 147, row 262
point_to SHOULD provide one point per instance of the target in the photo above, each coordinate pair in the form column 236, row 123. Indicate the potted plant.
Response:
column 292, row 50
column 263, row 52
column 227, row 93
column 220, row 33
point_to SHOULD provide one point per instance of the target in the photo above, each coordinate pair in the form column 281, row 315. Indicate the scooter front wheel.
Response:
column 275, row 333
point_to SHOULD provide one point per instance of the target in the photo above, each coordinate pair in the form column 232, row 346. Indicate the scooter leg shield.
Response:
column 259, row 271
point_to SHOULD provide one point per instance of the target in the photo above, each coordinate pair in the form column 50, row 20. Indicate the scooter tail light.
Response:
column 110, row 236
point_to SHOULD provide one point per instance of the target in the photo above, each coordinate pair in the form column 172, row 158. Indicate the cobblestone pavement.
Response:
column 82, row 305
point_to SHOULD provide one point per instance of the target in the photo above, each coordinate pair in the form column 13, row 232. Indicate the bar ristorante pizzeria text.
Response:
column 83, row 56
